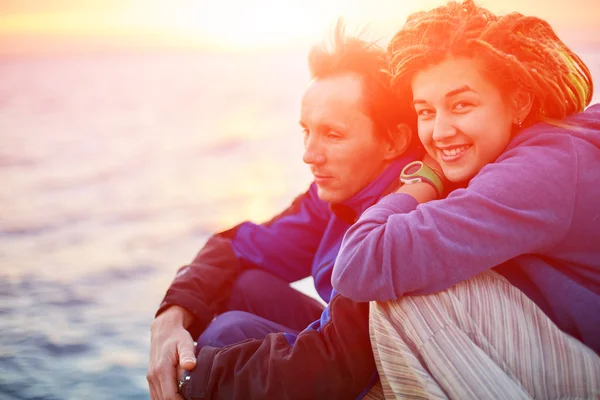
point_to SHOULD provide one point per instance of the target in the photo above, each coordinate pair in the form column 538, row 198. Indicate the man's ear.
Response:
column 398, row 141
column 521, row 103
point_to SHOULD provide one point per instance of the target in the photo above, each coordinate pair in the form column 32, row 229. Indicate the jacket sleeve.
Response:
column 333, row 362
column 284, row 246
column 521, row 204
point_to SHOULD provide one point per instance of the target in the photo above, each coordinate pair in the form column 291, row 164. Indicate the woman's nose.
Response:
column 443, row 128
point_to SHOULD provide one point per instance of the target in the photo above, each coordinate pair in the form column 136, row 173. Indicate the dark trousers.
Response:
column 260, row 304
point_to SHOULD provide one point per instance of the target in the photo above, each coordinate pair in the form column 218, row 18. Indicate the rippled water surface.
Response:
column 113, row 172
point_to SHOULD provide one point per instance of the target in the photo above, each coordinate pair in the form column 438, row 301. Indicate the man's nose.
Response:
column 313, row 153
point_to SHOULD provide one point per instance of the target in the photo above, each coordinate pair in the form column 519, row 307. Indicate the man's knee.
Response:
column 228, row 328
column 249, row 288
column 251, row 280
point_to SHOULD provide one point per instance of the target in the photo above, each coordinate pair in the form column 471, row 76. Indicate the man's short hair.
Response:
column 348, row 54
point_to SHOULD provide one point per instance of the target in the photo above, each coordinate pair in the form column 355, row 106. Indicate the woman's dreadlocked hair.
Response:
column 516, row 51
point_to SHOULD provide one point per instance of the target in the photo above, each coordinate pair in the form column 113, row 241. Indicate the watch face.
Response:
column 412, row 169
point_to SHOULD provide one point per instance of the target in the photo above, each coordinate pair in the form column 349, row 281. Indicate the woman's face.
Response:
column 464, row 121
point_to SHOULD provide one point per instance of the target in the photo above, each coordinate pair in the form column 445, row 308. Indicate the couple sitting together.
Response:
column 452, row 228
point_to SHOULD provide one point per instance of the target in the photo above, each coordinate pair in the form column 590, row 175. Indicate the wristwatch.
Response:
column 184, row 383
column 418, row 171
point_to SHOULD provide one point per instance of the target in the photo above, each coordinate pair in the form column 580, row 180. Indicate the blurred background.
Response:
column 132, row 130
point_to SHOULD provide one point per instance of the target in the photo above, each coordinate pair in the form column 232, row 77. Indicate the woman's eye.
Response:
column 333, row 135
column 425, row 112
column 461, row 105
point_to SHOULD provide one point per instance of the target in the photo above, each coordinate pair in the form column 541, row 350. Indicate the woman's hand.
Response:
column 421, row 191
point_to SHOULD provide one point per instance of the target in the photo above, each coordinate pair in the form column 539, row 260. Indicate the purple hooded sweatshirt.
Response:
column 533, row 216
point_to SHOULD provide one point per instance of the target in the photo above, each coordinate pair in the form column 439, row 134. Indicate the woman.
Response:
column 492, row 291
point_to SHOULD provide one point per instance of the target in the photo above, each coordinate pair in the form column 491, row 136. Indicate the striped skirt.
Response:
column 481, row 339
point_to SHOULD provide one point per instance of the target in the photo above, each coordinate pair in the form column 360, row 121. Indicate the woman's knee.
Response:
column 484, row 304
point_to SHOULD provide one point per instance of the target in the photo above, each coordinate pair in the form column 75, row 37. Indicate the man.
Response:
column 257, row 337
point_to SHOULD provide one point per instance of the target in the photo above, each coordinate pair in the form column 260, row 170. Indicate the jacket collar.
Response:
column 388, row 181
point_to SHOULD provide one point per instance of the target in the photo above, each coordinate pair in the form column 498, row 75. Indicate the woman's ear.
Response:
column 521, row 103
column 398, row 141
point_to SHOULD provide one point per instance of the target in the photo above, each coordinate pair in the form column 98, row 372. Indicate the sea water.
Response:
column 114, row 170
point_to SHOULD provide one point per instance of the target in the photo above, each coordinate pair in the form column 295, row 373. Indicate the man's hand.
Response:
column 171, row 350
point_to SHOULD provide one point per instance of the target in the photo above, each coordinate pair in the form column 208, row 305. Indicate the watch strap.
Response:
column 184, row 383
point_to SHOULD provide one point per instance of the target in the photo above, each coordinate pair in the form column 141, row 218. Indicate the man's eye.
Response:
column 334, row 135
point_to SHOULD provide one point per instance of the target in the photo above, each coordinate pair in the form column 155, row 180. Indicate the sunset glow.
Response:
column 225, row 24
column 228, row 24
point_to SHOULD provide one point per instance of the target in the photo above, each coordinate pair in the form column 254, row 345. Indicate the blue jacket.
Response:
column 331, row 358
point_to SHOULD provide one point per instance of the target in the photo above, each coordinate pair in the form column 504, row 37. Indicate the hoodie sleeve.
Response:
column 521, row 204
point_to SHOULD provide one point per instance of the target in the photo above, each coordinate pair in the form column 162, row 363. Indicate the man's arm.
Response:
column 202, row 288
column 330, row 360
column 284, row 246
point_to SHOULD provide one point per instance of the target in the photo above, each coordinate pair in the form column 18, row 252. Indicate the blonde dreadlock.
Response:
column 518, row 51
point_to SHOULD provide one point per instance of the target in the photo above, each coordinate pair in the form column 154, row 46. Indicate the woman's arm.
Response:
column 521, row 204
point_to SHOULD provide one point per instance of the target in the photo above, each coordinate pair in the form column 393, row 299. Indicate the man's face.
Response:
column 339, row 138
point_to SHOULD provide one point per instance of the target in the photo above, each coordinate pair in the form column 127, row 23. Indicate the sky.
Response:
column 54, row 25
